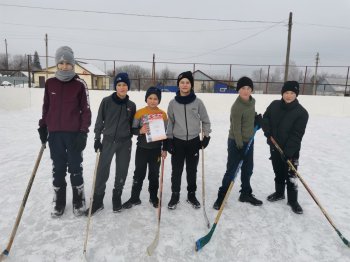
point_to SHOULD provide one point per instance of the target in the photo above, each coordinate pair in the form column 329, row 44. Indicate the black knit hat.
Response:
column 188, row 75
column 122, row 77
column 244, row 81
column 290, row 86
column 153, row 90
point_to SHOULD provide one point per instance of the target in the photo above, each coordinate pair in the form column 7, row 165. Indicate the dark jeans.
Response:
column 233, row 159
column 152, row 158
column 63, row 156
column 185, row 151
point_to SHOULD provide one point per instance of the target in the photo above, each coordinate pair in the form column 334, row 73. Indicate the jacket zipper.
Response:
column 61, row 105
column 115, row 133
column 186, row 123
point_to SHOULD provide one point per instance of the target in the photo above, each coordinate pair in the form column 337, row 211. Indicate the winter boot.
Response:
column 59, row 201
column 191, row 198
column 78, row 200
column 97, row 204
column 250, row 198
column 219, row 200
column 175, row 196
column 153, row 199
column 293, row 201
column 117, row 201
column 278, row 195
column 134, row 200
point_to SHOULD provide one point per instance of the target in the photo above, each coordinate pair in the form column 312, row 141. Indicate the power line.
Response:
column 322, row 25
column 234, row 43
column 129, row 30
column 141, row 15
column 169, row 17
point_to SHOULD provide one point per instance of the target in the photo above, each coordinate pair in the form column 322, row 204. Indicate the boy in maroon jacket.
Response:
column 65, row 122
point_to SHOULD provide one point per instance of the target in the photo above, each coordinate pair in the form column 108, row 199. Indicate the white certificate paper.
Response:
column 156, row 130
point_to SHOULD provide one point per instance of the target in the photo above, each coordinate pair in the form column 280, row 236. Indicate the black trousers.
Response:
column 185, row 151
column 64, row 156
column 152, row 158
column 283, row 174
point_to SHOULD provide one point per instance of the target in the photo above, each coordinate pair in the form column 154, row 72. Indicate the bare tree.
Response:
column 140, row 77
column 166, row 76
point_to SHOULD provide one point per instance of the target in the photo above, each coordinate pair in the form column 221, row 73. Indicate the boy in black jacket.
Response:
column 285, row 120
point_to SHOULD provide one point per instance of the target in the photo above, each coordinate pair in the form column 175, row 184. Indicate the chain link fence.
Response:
column 268, row 79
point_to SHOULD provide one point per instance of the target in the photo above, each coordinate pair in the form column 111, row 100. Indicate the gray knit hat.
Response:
column 65, row 54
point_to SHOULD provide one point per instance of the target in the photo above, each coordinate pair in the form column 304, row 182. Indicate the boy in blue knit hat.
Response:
column 114, row 122
column 147, row 153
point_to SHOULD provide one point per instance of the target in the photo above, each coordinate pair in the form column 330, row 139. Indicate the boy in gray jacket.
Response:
column 186, row 112
column 114, row 121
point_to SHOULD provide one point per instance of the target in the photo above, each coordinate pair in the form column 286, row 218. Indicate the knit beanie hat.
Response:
column 64, row 54
column 290, row 86
column 188, row 75
column 244, row 81
column 153, row 90
column 122, row 77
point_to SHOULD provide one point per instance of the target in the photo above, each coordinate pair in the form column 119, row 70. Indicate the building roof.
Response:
column 199, row 75
column 91, row 68
column 333, row 84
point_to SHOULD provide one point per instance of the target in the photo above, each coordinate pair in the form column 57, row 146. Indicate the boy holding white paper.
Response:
column 149, row 125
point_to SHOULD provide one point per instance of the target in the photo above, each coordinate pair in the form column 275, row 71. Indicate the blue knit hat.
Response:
column 122, row 77
column 153, row 90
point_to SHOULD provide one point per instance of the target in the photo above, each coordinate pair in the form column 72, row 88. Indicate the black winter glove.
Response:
column 258, row 121
column 98, row 145
column 79, row 142
column 43, row 133
column 170, row 146
column 205, row 142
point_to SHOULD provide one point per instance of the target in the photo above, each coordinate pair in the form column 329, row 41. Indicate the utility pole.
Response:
column 47, row 54
column 154, row 70
column 260, row 74
column 286, row 68
column 315, row 76
column 29, row 72
column 7, row 57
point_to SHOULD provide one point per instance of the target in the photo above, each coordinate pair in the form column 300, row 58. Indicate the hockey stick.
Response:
column 200, row 243
column 91, row 200
column 6, row 252
column 345, row 241
column 203, row 188
column 153, row 245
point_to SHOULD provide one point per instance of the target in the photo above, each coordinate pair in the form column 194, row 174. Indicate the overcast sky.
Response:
column 236, row 31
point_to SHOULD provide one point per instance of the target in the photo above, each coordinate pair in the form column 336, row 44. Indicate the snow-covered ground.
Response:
column 271, row 232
